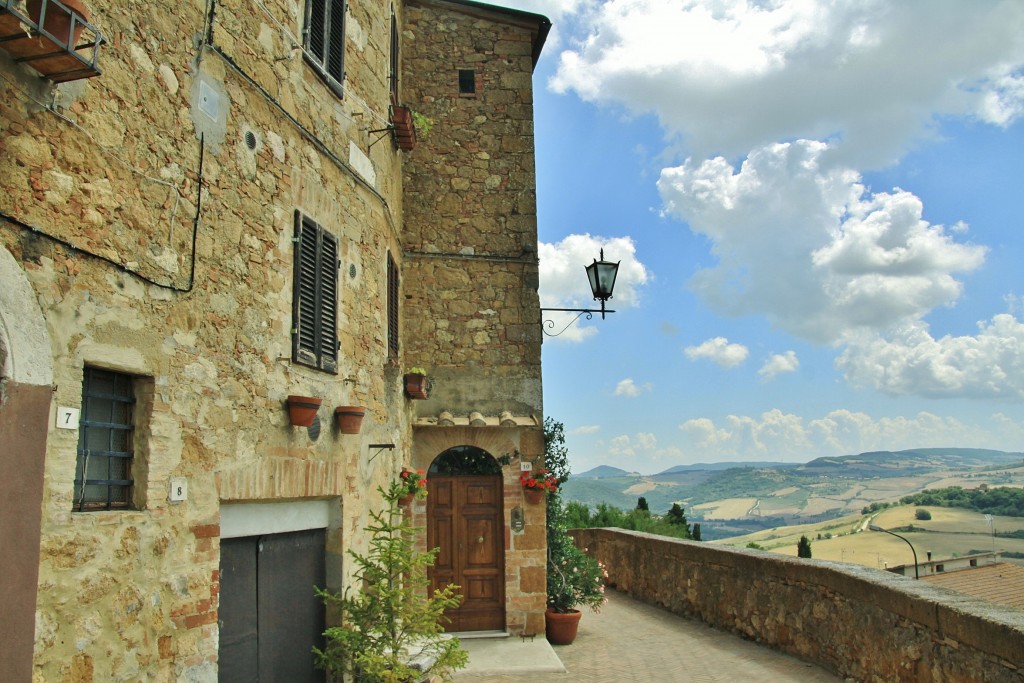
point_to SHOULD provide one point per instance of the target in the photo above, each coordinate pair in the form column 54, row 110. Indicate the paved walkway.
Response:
column 631, row 641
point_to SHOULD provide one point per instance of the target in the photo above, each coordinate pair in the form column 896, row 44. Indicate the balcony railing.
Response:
column 855, row 621
column 57, row 43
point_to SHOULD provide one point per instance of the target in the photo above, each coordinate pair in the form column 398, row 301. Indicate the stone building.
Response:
column 206, row 208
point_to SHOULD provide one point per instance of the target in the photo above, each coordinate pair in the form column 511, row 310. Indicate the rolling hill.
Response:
column 738, row 498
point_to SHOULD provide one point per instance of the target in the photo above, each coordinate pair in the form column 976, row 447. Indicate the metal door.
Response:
column 270, row 617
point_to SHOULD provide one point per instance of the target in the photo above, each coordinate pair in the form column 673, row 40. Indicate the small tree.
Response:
column 641, row 504
column 922, row 514
column 695, row 533
column 803, row 548
column 675, row 515
column 392, row 620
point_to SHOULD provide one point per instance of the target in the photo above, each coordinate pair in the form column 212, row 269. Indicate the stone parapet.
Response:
column 862, row 623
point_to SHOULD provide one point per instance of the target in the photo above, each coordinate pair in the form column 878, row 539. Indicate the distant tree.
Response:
column 675, row 514
column 803, row 548
column 641, row 504
column 695, row 533
column 923, row 514
column 755, row 546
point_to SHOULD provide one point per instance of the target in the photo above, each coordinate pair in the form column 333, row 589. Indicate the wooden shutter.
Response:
column 335, row 62
column 316, row 29
column 315, row 296
column 392, row 308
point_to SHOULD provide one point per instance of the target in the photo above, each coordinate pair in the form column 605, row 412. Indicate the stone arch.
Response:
column 464, row 460
column 25, row 355
column 26, row 375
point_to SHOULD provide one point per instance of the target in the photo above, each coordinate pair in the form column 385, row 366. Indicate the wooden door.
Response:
column 464, row 520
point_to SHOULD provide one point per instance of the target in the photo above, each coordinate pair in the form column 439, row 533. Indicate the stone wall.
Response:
column 471, row 315
column 205, row 133
column 857, row 622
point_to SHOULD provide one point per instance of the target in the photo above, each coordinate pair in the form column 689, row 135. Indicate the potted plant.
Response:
column 302, row 410
column 349, row 418
column 537, row 484
column 416, row 383
column 58, row 18
column 388, row 625
column 405, row 130
column 574, row 579
column 414, row 486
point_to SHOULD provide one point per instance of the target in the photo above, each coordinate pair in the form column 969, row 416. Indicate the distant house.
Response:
column 931, row 566
column 207, row 208
column 1000, row 583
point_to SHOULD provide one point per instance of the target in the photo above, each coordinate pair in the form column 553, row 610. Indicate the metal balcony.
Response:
column 69, row 56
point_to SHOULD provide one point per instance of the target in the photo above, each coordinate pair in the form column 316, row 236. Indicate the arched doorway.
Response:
column 465, row 522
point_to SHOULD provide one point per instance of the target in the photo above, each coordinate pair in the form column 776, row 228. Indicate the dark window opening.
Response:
column 467, row 81
column 393, row 80
column 464, row 460
column 103, row 473
column 324, row 40
column 392, row 309
column 940, row 567
column 974, row 563
column 315, row 297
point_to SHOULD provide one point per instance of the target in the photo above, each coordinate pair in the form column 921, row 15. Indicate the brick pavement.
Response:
column 632, row 641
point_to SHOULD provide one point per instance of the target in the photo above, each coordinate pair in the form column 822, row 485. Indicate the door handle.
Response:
column 480, row 540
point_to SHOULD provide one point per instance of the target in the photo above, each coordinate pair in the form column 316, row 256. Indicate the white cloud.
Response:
column 778, row 364
column 719, row 351
column 627, row 447
column 629, row 388
column 775, row 435
column 732, row 75
column 809, row 247
column 564, row 283
column 989, row 365
column 586, row 429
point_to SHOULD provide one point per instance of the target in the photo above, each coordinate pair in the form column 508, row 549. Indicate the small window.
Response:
column 392, row 309
column 467, row 81
column 315, row 297
column 940, row 567
column 103, row 474
column 324, row 40
column 974, row 563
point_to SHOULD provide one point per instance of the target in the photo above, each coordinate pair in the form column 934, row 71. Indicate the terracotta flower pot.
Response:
column 58, row 19
column 302, row 410
column 405, row 131
column 416, row 386
column 534, row 495
column 404, row 501
column 349, row 418
column 559, row 628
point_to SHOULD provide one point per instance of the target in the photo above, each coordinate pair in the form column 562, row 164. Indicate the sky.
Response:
column 817, row 210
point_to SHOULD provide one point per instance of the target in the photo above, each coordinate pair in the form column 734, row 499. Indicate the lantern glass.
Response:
column 602, row 277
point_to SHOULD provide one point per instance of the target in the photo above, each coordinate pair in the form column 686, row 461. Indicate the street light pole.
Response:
column 874, row 527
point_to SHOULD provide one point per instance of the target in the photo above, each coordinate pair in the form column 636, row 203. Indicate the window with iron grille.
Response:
column 315, row 297
column 324, row 40
column 103, row 475
column 392, row 309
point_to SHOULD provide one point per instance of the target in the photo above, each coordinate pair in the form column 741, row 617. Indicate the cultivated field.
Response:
column 951, row 532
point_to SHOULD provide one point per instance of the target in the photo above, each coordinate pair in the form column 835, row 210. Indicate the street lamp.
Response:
column 874, row 527
column 602, row 281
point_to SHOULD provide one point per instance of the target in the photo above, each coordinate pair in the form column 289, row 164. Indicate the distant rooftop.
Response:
column 1001, row 583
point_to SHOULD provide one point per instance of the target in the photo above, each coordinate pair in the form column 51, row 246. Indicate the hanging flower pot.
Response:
column 405, row 131
column 534, row 496
column 349, row 418
column 560, row 628
column 302, row 410
column 58, row 19
column 416, row 385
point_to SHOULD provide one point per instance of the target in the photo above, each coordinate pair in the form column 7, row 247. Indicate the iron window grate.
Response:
column 103, row 473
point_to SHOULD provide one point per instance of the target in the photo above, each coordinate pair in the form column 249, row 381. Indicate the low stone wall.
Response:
column 858, row 622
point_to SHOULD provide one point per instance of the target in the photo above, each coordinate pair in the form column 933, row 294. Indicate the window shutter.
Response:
column 327, row 304
column 317, row 30
column 315, row 296
column 392, row 308
column 335, row 61
column 304, row 341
